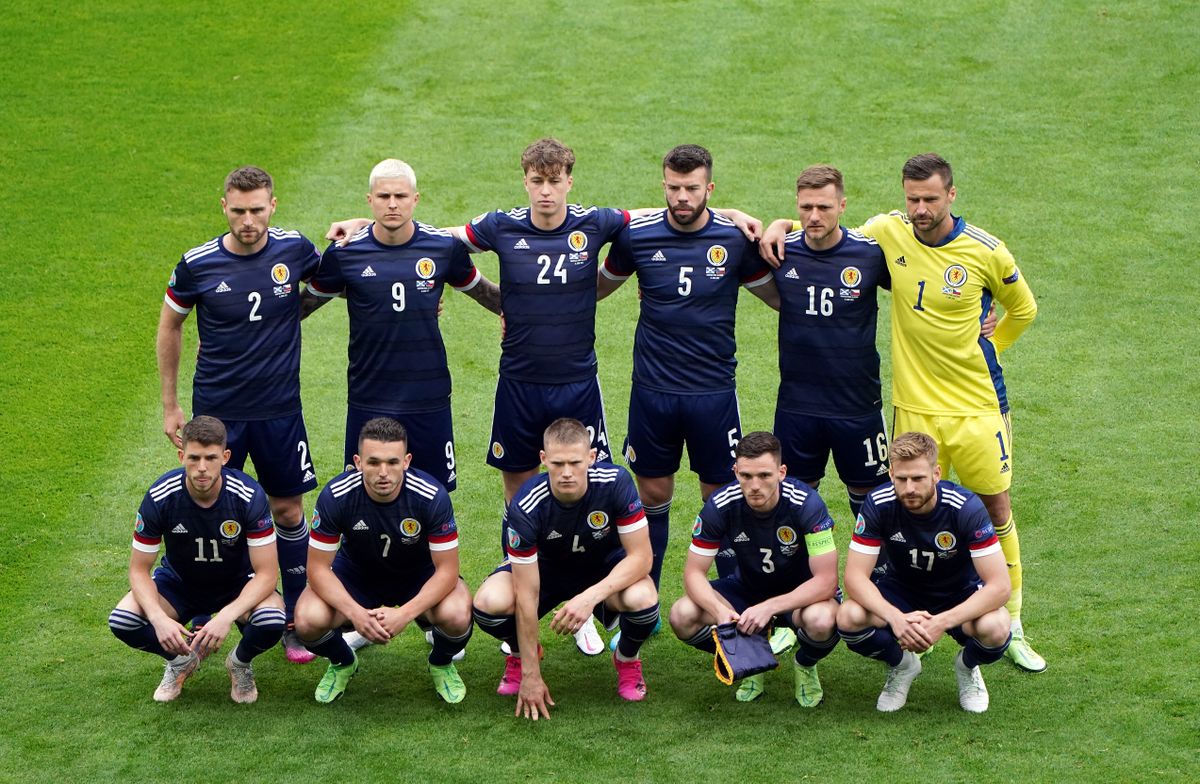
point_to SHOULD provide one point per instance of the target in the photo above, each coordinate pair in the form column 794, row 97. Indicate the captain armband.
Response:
column 820, row 543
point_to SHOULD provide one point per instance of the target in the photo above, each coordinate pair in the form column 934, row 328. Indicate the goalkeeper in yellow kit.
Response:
column 946, row 378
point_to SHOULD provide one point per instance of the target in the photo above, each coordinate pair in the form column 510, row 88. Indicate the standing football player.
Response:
column 690, row 262
column 392, row 273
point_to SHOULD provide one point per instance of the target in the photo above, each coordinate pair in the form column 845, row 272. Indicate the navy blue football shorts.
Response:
column 661, row 422
column 524, row 410
column 906, row 600
column 190, row 601
column 430, row 440
column 858, row 444
column 372, row 593
column 739, row 596
column 562, row 582
column 279, row 450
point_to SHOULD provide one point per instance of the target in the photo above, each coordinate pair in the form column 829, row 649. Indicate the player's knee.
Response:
column 819, row 621
column 288, row 512
column 684, row 618
column 639, row 595
column 992, row 628
column 311, row 616
column 453, row 614
column 851, row 616
column 495, row 597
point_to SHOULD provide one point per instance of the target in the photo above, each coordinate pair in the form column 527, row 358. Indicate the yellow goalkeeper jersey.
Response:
column 940, row 294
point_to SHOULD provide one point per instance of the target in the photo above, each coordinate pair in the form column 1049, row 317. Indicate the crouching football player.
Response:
column 947, row 575
column 782, row 537
column 576, row 534
column 383, row 552
column 215, row 526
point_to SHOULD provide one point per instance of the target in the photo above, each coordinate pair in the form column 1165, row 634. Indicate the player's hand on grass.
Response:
column 572, row 615
column 771, row 245
column 208, row 638
column 341, row 231
column 369, row 623
column 533, row 700
column 173, row 421
column 172, row 635
column 754, row 619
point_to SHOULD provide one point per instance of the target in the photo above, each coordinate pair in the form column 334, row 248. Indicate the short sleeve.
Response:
column 181, row 293
column 612, row 220
column 310, row 258
column 481, row 231
column 259, row 525
column 521, row 539
column 462, row 274
column 620, row 265
column 443, row 530
column 867, row 537
column 631, row 516
column 328, row 281
column 147, row 532
column 707, row 531
column 323, row 530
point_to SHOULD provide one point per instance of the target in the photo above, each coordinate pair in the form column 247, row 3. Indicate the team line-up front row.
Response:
column 924, row 561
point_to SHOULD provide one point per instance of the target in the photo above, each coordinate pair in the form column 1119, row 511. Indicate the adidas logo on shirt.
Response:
column 553, row 535
column 361, row 526
column 792, row 274
column 223, row 288
column 658, row 256
column 308, row 475
column 368, row 272
column 521, row 245
column 899, row 537
column 900, row 262
column 179, row 529
column 741, row 537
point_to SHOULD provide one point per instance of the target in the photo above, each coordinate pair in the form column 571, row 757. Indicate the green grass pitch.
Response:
column 1073, row 129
